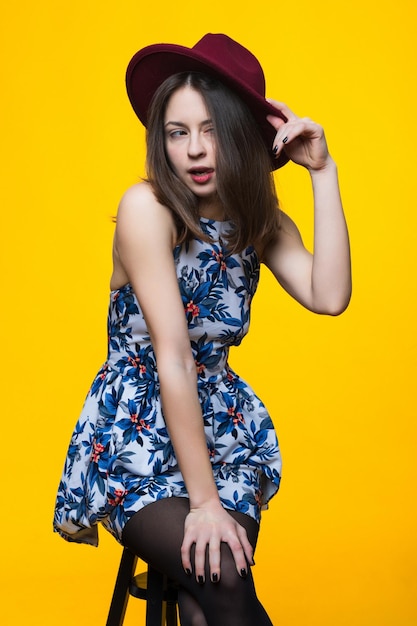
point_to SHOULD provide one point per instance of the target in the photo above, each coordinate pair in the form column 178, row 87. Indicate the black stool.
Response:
column 159, row 592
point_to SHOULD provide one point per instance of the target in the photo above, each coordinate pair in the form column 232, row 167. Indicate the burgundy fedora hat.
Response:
column 216, row 55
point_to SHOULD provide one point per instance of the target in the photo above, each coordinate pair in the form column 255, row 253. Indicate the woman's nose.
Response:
column 196, row 145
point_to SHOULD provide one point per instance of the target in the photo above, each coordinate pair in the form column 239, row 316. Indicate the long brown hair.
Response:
column 245, row 184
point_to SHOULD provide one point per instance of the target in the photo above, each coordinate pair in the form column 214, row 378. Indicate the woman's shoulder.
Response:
column 141, row 198
column 139, row 209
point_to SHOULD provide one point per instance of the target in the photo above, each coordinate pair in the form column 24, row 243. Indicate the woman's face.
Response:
column 190, row 142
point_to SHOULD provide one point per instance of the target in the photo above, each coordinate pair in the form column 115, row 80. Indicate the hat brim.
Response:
column 152, row 65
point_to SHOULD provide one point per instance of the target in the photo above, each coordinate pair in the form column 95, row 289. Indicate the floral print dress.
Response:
column 120, row 456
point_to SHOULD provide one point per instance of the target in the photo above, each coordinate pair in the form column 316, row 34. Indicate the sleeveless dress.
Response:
column 120, row 456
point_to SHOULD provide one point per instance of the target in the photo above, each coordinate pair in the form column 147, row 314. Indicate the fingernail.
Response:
column 285, row 140
column 214, row 578
column 188, row 571
column 200, row 580
column 275, row 149
column 243, row 572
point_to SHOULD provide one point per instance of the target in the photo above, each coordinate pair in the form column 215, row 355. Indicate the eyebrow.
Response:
column 174, row 123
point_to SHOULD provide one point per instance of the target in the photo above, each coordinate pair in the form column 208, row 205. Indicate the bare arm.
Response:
column 145, row 235
column 320, row 281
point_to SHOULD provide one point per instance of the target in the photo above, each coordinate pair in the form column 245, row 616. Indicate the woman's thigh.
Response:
column 156, row 533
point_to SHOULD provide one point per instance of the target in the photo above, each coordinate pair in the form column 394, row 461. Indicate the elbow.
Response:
column 176, row 364
column 335, row 306
column 333, row 299
column 337, row 310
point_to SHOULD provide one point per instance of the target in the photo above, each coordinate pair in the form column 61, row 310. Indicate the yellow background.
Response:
column 338, row 546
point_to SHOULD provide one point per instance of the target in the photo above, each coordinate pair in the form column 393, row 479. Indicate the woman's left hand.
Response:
column 302, row 139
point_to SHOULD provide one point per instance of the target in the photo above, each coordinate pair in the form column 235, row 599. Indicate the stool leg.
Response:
column 171, row 614
column 121, row 589
column 155, row 606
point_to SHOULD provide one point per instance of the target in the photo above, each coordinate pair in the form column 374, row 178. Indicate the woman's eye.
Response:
column 177, row 133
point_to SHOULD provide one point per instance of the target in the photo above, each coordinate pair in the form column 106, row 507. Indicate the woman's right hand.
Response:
column 207, row 526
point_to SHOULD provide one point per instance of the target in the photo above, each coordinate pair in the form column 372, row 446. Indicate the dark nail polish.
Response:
column 200, row 580
column 188, row 571
column 285, row 140
column 243, row 572
column 275, row 149
column 214, row 578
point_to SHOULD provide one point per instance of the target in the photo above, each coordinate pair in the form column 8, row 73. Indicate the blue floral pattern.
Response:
column 120, row 456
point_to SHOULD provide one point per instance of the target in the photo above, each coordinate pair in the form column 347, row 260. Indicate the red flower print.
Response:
column 98, row 448
column 135, row 362
column 142, row 424
column 119, row 497
column 192, row 308
column 237, row 416
column 104, row 372
column 220, row 259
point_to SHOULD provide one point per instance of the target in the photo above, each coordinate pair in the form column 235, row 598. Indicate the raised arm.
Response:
column 143, row 255
column 320, row 281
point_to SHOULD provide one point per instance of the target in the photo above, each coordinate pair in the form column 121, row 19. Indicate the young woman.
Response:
column 174, row 453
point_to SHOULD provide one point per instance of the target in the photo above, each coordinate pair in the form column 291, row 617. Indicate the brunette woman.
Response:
column 174, row 453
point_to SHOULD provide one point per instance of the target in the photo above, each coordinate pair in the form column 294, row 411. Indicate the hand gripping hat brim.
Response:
column 216, row 55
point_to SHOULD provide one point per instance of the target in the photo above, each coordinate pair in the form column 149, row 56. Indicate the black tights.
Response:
column 155, row 534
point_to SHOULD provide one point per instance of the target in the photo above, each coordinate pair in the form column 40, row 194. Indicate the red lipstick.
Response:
column 201, row 175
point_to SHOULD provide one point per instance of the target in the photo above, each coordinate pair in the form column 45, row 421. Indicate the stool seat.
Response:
column 160, row 593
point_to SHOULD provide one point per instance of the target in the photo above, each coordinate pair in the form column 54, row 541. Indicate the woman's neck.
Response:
column 211, row 209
